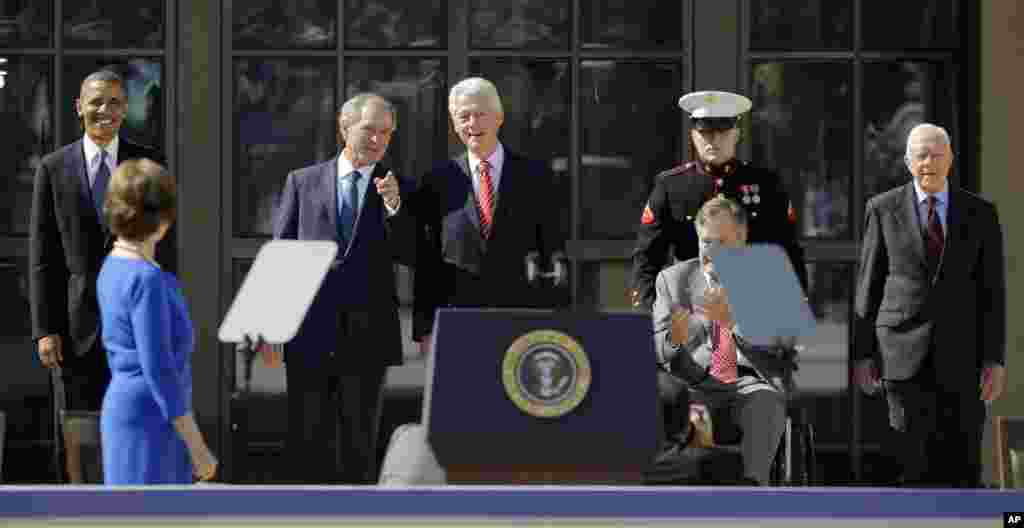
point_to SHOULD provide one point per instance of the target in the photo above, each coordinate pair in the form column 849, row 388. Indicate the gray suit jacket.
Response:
column 683, row 284
column 904, row 310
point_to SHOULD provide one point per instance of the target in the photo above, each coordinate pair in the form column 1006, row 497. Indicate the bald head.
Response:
column 929, row 156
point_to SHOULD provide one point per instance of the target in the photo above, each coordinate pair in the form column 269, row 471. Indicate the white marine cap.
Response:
column 714, row 109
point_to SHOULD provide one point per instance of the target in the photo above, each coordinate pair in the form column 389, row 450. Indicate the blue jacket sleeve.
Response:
column 151, row 325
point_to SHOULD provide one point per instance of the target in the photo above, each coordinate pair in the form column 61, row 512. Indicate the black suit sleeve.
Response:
column 652, row 243
column 47, row 274
column 401, row 226
column 874, row 264
column 430, row 280
column 991, row 295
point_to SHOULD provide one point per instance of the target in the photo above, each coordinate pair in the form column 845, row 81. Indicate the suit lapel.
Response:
column 371, row 200
column 78, row 179
column 328, row 193
column 912, row 223
column 954, row 229
column 470, row 206
column 506, row 189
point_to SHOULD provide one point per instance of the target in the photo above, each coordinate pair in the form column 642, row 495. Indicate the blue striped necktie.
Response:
column 99, row 185
column 348, row 205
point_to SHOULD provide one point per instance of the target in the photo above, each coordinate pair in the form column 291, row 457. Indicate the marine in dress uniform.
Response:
column 667, row 218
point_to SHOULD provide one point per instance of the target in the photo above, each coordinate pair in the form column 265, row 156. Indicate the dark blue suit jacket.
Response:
column 67, row 245
column 355, row 313
column 455, row 266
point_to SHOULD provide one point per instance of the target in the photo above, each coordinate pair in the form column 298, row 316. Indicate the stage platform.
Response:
column 265, row 506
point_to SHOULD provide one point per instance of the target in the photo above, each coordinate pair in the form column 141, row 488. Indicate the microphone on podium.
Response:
column 559, row 274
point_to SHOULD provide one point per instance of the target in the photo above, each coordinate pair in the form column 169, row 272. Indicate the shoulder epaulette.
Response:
column 678, row 169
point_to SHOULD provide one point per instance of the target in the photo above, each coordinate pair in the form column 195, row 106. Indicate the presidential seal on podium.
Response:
column 546, row 373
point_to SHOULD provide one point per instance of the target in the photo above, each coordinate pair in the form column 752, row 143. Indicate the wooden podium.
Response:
column 540, row 397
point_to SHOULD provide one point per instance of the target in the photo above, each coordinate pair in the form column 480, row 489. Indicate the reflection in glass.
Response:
column 394, row 24
column 787, row 25
column 912, row 24
column 520, row 24
column 633, row 24
column 95, row 24
column 284, row 120
column 417, row 89
column 630, row 131
column 27, row 114
column 535, row 95
column 22, row 378
column 303, row 24
column 144, row 121
column 898, row 96
column 801, row 127
column 25, row 23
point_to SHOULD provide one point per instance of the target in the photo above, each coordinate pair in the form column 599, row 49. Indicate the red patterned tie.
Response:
column 485, row 200
column 936, row 240
column 723, row 355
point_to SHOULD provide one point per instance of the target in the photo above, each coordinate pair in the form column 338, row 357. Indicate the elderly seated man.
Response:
column 697, row 340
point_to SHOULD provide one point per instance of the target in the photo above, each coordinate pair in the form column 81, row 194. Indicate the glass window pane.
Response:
column 417, row 89
column 520, row 24
column 897, row 96
column 284, row 120
column 535, row 95
column 823, row 362
column 605, row 286
column 94, row 24
column 143, row 81
column 395, row 24
column 25, row 23
column 270, row 24
column 630, row 130
column 633, row 24
column 787, row 25
column 801, row 127
column 26, row 107
column 912, row 24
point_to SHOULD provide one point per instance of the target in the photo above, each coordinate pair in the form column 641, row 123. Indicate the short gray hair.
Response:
column 718, row 206
column 933, row 131
column 352, row 110
column 478, row 87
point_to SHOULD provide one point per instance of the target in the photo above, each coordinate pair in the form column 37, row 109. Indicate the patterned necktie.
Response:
column 99, row 184
column 348, row 205
column 723, row 355
column 485, row 200
column 935, row 239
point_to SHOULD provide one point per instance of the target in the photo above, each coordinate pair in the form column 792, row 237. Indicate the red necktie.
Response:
column 723, row 355
column 485, row 200
column 935, row 238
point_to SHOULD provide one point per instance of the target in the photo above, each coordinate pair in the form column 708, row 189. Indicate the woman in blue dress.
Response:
column 148, row 432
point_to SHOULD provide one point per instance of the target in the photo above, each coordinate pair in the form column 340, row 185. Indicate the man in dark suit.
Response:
column 931, row 307
column 335, row 365
column 67, row 243
column 470, row 251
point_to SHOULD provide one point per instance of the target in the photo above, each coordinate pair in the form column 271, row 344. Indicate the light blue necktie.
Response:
column 99, row 185
column 348, row 205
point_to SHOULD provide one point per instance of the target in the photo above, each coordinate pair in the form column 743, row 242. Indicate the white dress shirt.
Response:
column 92, row 157
column 497, row 160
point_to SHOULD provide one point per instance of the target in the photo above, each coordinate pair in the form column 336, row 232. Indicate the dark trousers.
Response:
column 79, row 386
column 937, row 430
column 333, row 421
